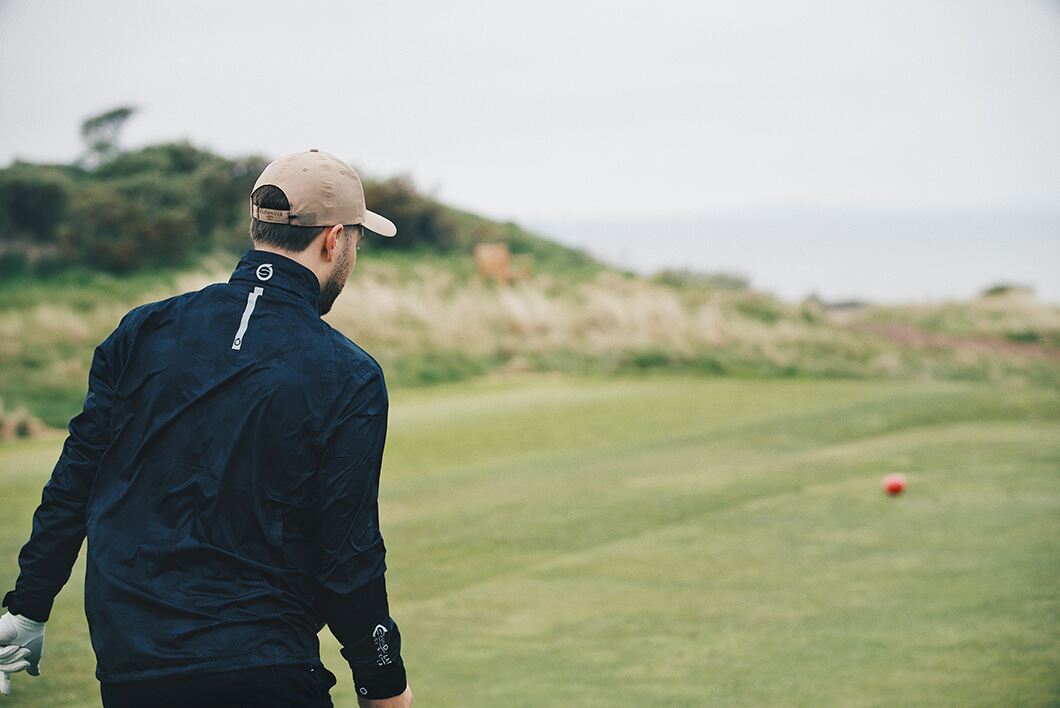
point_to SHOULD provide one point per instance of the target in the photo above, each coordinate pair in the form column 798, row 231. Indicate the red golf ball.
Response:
column 894, row 484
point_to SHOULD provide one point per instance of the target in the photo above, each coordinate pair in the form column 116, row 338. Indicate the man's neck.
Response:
column 302, row 258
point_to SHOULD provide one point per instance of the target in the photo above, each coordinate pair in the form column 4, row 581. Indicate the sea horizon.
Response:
column 838, row 254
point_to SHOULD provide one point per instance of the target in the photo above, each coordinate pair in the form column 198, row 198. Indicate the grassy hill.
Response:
column 81, row 244
column 429, row 318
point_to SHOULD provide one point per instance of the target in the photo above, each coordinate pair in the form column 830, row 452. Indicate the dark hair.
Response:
column 286, row 236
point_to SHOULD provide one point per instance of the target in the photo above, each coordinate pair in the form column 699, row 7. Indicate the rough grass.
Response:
column 685, row 541
column 18, row 422
column 428, row 319
column 1014, row 317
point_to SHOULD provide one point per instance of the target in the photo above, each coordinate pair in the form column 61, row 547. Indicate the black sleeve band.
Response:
column 38, row 612
column 371, row 641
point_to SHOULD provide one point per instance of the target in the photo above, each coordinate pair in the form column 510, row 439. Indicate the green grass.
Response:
column 82, row 289
column 671, row 540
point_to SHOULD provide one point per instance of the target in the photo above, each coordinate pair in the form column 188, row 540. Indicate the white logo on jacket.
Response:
column 264, row 271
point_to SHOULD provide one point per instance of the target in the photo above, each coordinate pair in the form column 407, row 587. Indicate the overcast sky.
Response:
column 547, row 109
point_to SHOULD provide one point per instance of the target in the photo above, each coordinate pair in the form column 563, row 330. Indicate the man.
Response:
column 225, row 471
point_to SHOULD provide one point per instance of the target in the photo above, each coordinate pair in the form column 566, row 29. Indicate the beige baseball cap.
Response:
column 323, row 191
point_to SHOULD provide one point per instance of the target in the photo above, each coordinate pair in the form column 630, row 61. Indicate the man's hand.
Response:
column 12, row 658
column 21, row 647
column 403, row 700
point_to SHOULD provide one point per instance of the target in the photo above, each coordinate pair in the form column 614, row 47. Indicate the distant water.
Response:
column 840, row 255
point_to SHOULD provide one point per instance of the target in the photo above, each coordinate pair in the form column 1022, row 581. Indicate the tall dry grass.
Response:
column 429, row 321
column 18, row 422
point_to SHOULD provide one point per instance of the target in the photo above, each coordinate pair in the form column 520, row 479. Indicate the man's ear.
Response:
column 327, row 248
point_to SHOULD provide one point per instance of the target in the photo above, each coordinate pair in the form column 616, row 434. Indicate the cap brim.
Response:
column 379, row 224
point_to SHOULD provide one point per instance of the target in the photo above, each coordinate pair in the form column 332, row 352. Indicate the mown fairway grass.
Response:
column 682, row 541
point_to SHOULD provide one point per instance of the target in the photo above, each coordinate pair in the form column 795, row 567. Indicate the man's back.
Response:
column 203, row 521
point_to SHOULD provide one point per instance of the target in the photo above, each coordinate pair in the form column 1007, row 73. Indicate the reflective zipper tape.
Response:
column 252, row 297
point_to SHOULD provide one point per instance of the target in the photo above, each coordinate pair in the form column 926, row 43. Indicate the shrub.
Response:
column 759, row 307
column 18, row 423
column 162, row 203
column 33, row 201
column 1002, row 289
column 112, row 232
column 685, row 278
column 421, row 221
column 1028, row 336
column 171, row 159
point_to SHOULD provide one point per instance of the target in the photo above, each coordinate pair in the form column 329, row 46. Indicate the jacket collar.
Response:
column 280, row 275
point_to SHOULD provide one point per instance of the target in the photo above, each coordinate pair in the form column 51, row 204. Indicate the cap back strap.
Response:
column 273, row 216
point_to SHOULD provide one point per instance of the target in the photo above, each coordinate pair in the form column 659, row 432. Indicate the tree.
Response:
column 100, row 134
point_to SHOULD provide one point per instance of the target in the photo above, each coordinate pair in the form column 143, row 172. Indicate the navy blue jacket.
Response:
column 225, row 470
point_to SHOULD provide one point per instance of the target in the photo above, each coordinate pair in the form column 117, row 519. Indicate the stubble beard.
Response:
column 331, row 288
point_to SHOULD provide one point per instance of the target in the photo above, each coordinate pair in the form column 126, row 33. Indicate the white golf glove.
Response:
column 21, row 647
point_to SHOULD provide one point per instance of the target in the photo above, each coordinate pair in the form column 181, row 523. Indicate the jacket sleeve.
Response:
column 371, row 641
column 350, row 553
column 58, row 529
column 349, row 550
